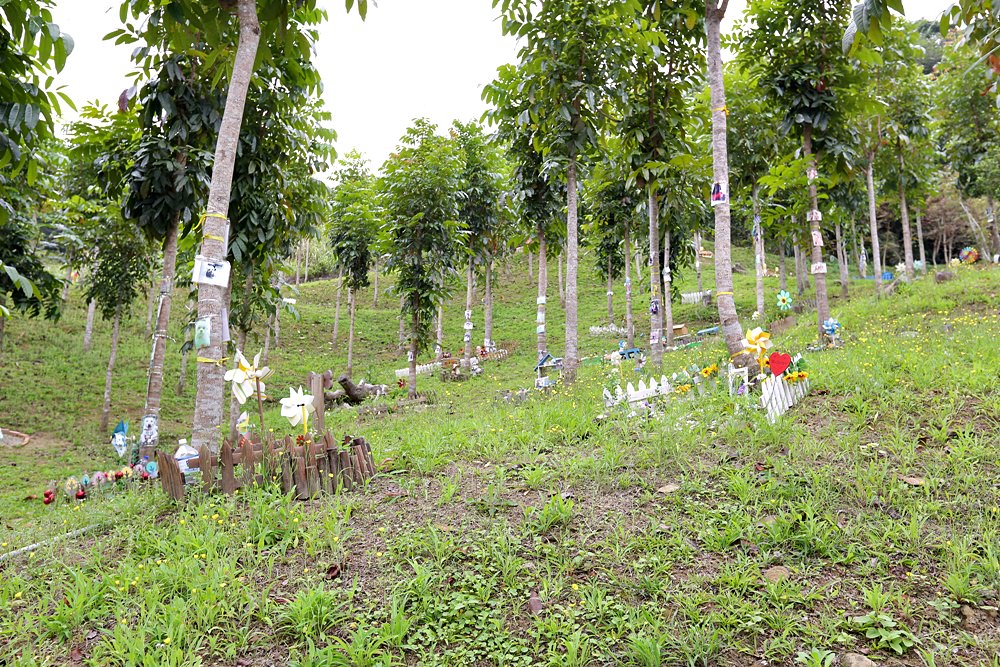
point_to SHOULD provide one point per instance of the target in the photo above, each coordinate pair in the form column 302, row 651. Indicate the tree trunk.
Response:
column 842, row 262
column 467, row 335
column 211, row 383
column 439, row 347
column 859, row 250
column 402, row 324
column 559, row 279
column 697, row 260
column 66, row 282
column 977, row 230
column 873, row 223
column 149, row 436
column 88, row 332
column 629, row 323
column 375, row 284
column 904, row 214
column 277, row 328
column 151, row 304
column 668, row 306
column 610, row 295
column 351, row 298
column 106, row 411
column 934, row 251
column 822, row 301
column 267, row 342
column 336, row 310
column 655, row 310
column 572, row 357
column 920, row 244
column 800, row 283
column 758, row 248
column 991, row 220
column 732, row 331
column 488, row 341
column 531, row 275
column 307, row 260
column 414, row 326
column 783, row 269
column 298, row 259
column 542, row 289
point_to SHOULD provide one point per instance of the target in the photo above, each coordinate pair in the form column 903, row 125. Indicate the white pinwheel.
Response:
column 247, row 378
column 297, row 407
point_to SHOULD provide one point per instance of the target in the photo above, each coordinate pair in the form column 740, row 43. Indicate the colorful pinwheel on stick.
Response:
column 297, row 408
column 784, row 300
column 757, row 343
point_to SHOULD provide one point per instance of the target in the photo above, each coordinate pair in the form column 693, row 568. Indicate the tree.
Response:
column 479, row 209
column 565, row 61
column 185, row 25
column 167, row 185
column 534, row 195
column 31, row 48
column 421, row 183
column 666, row 40
column 732, row 331
column 791, row 47
column 968, row 125
column 755, row 145
column 354, row 217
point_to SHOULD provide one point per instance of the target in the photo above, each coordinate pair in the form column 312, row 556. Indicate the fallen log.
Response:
column 356, row 394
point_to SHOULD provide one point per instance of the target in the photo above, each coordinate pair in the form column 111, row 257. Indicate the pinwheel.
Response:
column 248, row 379
column 243, row 424
column 831, row 326
column 784, row 300
column 297, row 407
column 969, row 255
column 757, row 343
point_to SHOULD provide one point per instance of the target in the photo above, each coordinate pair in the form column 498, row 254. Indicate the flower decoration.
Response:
column 795, row 376
column 243, row 424
column 297, row 408
column 247, row 378
column 784, row 300
column 831, row 326
column 969, row 255
column 683, row 388
column 755, row 316
column 710, row 371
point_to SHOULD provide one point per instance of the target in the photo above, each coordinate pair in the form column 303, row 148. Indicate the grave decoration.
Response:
column 757, row 343
column 690, row 383
column 968, row 255
column 784, row 300
column 297, row 408
column 831, row 329
column 545, row 368
column 248, row 381
column 697, row 298
column 781, row 390
column 101, row 482
column 300, row 465
column 608, row 330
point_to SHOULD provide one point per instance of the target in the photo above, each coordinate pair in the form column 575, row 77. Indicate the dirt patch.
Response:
column 35, row 442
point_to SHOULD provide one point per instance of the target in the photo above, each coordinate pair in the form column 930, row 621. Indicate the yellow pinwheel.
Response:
column 757, row 343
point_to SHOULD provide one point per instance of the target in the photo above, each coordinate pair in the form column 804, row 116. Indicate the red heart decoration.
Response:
column 779, row 362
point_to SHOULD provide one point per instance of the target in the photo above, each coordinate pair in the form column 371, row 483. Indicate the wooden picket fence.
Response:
column 326, row 466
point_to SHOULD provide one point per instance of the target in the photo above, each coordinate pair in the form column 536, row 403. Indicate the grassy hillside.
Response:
column 535, row 534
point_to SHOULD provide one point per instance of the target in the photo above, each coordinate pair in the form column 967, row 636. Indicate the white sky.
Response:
column 411, row 58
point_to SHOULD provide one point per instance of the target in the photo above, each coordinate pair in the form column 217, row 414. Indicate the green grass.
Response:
column 486, row 506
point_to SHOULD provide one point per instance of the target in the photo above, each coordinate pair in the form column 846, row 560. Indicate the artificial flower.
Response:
column 830, row 326
column 757, row 342
column 784, row 300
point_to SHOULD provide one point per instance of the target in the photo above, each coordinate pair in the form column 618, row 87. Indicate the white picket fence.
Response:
column 607, row 330
column 777, row 394
column 665, row 387
column 695, row 298
column 422, row 369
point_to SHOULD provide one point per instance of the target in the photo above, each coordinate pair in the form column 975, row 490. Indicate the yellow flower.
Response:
column 166, row 640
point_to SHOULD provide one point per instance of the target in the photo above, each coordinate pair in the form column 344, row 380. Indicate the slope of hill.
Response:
column 533, row 533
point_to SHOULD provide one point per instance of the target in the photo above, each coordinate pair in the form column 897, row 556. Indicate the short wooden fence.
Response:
column 326, row 466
